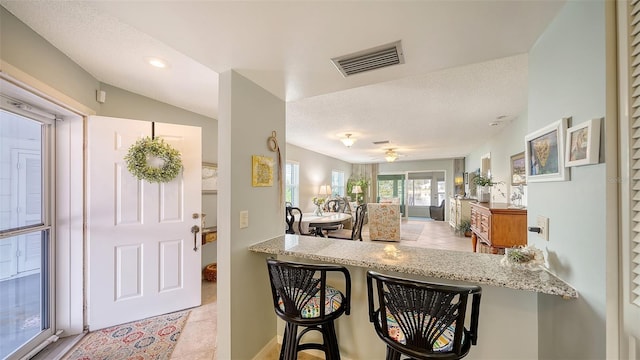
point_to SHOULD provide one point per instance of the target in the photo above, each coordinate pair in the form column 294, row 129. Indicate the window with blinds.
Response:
column 634, row 143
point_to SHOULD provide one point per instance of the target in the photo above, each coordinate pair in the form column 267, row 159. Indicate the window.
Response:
column 25, row 229
column 441, row 186
column 419, row 192
column 292, row 190
column 391, row 186
column 337, row 182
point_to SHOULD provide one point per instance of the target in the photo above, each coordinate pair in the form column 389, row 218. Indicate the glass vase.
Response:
column 484, row 193
column 318, row 211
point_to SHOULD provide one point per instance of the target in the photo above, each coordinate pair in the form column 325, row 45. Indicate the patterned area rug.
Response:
column 152, row 338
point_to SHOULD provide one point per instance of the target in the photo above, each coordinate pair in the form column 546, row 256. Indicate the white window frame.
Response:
column 293, row 184
column 46, row 227
column 338, row 188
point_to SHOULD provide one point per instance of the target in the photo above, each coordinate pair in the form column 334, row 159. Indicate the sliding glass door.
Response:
column 25, row 232
column 391, row 189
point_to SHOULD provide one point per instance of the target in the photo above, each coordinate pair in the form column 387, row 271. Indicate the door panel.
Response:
column 171, row 267
column 171, row 197
column 153, row 268
column 128, row 272
column 129, row 199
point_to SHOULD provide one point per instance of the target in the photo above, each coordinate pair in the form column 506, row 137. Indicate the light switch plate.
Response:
column 244, row 219
column 543, row 224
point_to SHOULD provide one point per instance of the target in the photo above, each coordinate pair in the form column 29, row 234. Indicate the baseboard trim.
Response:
column 271, row 346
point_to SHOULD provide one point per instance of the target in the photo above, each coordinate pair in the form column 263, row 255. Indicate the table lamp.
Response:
column 325, row 191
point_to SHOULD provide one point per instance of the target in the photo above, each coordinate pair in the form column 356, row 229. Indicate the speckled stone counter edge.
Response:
column 443, row 264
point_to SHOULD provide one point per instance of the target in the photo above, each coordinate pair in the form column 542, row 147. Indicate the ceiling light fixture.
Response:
column 348, row 140
column 390, row 155
column 157, row 62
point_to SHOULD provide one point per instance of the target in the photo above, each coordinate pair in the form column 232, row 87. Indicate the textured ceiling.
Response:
column 465, row 62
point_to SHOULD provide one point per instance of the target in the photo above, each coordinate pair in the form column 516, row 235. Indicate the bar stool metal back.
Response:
column 301, row 297
column 422, row 320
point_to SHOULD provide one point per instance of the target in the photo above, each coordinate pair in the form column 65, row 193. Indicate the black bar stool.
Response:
column 420, row 319
column 301, row 297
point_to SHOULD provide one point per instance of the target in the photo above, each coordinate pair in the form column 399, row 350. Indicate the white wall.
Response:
column 246, row 321
column 509, row 141
column 568, row 76
column 315, row 170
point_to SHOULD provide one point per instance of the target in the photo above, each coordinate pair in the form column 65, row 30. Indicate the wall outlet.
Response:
column 244, row 219
column 543, row 224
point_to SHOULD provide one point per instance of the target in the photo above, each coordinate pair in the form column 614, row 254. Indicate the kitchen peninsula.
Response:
column 509, row 311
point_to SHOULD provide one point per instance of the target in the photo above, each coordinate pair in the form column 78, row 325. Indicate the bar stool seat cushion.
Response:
column 332, row 301
column 443, row 343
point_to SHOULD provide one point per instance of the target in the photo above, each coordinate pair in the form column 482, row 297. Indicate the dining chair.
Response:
column 338, row 205
column 290, row 218
column 420, row 319
column 302, row 298
column 356, row 232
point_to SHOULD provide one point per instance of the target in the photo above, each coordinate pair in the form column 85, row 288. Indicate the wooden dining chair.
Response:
column 356, row 232
column 291, row 218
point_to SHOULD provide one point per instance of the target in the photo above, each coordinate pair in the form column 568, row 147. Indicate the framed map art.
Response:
column 544, row 153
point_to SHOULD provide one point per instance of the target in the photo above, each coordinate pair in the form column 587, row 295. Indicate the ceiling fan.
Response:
column 390, row 155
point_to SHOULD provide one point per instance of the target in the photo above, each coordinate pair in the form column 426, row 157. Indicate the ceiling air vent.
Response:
column 381, row 142
column 370, row 59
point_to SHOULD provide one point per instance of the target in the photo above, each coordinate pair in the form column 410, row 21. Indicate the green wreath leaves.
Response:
column 146, row 148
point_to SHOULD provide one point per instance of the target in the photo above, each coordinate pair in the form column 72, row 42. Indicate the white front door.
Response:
column 143, row 259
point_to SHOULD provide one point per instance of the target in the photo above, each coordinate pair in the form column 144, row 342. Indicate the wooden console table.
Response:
column 496, row 226
column 209, row 234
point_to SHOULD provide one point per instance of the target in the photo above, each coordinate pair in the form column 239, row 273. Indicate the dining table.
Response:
column 321, row 222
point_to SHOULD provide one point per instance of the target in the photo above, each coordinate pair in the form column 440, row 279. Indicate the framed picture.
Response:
column 544, row 153
column 518, row 170
column 583, row 143
column 209, row 178
column 262, row 171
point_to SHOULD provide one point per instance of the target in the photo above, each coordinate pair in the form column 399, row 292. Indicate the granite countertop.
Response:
column 444, row 264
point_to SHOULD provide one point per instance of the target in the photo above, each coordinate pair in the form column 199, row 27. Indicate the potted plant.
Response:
column 465, row 228
column 484, row 184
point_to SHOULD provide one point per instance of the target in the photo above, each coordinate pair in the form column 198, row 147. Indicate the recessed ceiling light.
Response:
column 157, row 62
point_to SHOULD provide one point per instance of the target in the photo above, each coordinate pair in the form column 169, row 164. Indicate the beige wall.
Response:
column 315, row 170
column 246, row 320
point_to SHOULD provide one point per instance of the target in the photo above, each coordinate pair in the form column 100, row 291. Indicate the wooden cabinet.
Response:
column 495, row 227
column 209, row 234
column 459, row 209
column 452, row 212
